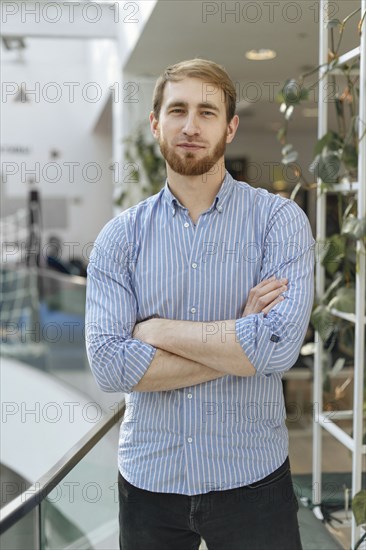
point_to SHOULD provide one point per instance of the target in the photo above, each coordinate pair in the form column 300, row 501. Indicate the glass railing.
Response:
column 42, row 317
column 75, row 504
column 42, row 325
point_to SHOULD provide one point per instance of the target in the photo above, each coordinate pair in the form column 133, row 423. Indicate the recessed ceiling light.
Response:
column 260, row 55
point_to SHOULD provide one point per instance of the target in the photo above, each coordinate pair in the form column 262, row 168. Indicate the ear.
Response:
column 231, row 128
column 154, row 125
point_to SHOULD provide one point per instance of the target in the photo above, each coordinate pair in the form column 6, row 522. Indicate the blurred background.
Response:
column 76, row 149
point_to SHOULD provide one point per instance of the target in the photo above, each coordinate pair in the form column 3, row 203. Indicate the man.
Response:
column 198, row 300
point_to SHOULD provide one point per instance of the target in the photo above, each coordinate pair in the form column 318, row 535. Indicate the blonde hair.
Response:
column 210, row 72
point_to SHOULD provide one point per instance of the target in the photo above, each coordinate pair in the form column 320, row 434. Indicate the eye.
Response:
column 176, row 110
column 208, row 113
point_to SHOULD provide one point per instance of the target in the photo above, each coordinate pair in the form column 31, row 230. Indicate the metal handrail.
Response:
column 48, row 273
column 62, row 277
column 34, row 495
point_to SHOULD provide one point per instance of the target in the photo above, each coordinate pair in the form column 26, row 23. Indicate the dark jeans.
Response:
column 261, row 516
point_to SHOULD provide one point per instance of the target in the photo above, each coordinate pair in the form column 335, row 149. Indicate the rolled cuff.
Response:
column 257, row 339
column 139, row 356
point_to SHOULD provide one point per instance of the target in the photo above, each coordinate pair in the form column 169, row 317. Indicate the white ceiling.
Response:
column 179, row 30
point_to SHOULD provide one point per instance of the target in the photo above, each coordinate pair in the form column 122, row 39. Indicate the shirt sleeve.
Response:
column 272, row 342
column 117, row 360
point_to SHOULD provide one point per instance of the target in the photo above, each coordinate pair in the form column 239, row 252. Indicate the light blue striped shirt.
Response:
column 151, row 260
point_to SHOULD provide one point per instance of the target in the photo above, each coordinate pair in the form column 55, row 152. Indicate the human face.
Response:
column 192, row 130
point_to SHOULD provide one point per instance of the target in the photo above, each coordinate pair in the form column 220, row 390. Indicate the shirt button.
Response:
column 219, row 208
column 189, row 439
column 193, row 310
column 194, row 265
column 186, row 224
column 189, row 395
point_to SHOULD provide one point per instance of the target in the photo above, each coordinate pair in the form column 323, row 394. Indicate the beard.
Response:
column 190, row 165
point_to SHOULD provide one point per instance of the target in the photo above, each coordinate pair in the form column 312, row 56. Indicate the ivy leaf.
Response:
column 350, row 156
column 331, row 140
column 326, row 166
column 346, row 339
column 304, row 94
column 349, row 225
column 354, row 227
column 289, row 112
column 351, row 256
column 292, row 156
column 359, row 507
column 332, row 23
column 314, row 166
column 293, row 92
column 283, row 107
column 337, row 281
column 286, row 149
column 323, row 321
column 344, row 300
column 279, row 97
column 338, row 366
column 281, row 134
column 334, row 253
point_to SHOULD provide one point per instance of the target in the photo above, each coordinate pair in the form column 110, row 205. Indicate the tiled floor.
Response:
column 335, row 458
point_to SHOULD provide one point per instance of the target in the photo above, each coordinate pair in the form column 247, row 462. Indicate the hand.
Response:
column 263, row 297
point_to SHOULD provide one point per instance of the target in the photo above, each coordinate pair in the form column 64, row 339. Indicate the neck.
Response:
column 196, row 192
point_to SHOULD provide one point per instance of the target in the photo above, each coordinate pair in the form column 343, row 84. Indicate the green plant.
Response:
column 144, row 164
column 335, row 161
column 359, row 511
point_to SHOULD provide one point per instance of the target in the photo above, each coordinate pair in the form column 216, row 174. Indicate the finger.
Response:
column 271, row 296
column 273, row 283
column 261, row 299
column 268, row 308
column 268, row 285
column 264, row 296
column 265, row 281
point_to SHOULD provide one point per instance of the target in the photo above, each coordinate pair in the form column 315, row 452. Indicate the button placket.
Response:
column 193, row 307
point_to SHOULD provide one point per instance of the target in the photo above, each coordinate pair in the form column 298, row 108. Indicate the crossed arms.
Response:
column 192, row 352
column 165, row 354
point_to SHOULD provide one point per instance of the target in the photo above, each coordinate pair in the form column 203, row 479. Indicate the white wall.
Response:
column 59, row 117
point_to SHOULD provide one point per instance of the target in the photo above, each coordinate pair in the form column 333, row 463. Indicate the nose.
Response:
column 191, row 127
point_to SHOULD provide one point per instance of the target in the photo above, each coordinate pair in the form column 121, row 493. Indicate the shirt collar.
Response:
column 218, row 203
